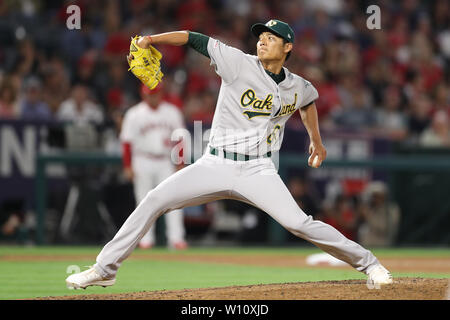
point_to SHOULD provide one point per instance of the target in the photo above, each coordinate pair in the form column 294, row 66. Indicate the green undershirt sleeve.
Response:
column 198, row 42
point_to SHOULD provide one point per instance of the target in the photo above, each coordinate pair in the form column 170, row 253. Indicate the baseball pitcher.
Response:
column 146, row 140
column 256, row 98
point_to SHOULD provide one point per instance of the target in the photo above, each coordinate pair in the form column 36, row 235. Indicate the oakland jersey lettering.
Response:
column 287, row 109
column 249, row 98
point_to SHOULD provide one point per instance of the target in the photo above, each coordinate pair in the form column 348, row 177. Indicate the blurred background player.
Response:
column 380, row 216
column 146, row 142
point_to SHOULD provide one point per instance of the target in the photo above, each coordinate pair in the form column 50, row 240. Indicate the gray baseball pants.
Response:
column 213, row 178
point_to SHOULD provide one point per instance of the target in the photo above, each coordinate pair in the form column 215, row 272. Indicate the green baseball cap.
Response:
column 279, row 28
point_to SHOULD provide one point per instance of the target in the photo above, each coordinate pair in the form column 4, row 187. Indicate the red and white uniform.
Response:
column 148, row 132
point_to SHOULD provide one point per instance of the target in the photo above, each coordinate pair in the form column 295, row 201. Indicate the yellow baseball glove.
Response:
column 145, row 63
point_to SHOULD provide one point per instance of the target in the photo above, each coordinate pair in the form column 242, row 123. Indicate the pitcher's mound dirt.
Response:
column 401, row 289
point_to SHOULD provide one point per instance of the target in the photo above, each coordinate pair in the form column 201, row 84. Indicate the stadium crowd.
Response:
column 393, row 82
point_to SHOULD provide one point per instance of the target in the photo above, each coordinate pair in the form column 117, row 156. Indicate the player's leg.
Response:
column 175, row 231
column 265, row 190
column 204, row 181
column 143, row 182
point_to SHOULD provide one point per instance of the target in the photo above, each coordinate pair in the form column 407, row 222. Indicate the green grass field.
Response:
column 41, row 278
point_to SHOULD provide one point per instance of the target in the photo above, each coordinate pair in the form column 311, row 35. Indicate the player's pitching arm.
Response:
column 311, row 122
column 196, row 41
column 175, row 38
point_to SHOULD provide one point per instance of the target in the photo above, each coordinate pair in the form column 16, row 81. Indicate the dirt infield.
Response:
column 402, row 289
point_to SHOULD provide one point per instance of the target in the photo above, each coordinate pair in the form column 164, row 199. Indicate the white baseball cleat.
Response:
column 88, row 278
column 379, row 275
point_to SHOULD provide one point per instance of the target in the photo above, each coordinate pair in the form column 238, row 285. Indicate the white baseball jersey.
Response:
column 252, row 109
column 149, row 130
column 249, row 119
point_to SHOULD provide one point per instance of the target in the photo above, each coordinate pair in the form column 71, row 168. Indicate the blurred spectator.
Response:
column 347, row 83
column 79, row 108
column 342, row 216
column 330, row 60
column 195, row 15
column 118, row 40
column 349, row 58
column 380, row 217
column 110, row 138
column 324, row 28
column 193, row 108
column 115, row 87
column 330, row 7
column 346, row 217
column 334, row 50
column 444, row 43
column 12, row 216
column 56, row 86
column 442, row 98
column 423, row 62
column 440, row 11
column 390, row 120
column 308, row 50
column 398, row 36
column 205, row 110
column 380, row 75
column 418, row 118
column 8, row 100
column 201, row 77
column 329, row 100
column 438, row 133
column 75, row 43
column 32, row 107
column 175, row 84
column 302, row 196
column 25, row 61
column 358, row 114
column 85, row 69
column 336, row 201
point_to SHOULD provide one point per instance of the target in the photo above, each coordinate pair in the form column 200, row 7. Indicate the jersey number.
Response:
column 272, row 135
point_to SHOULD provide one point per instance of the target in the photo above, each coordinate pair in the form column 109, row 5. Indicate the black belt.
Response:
column 237, row 156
